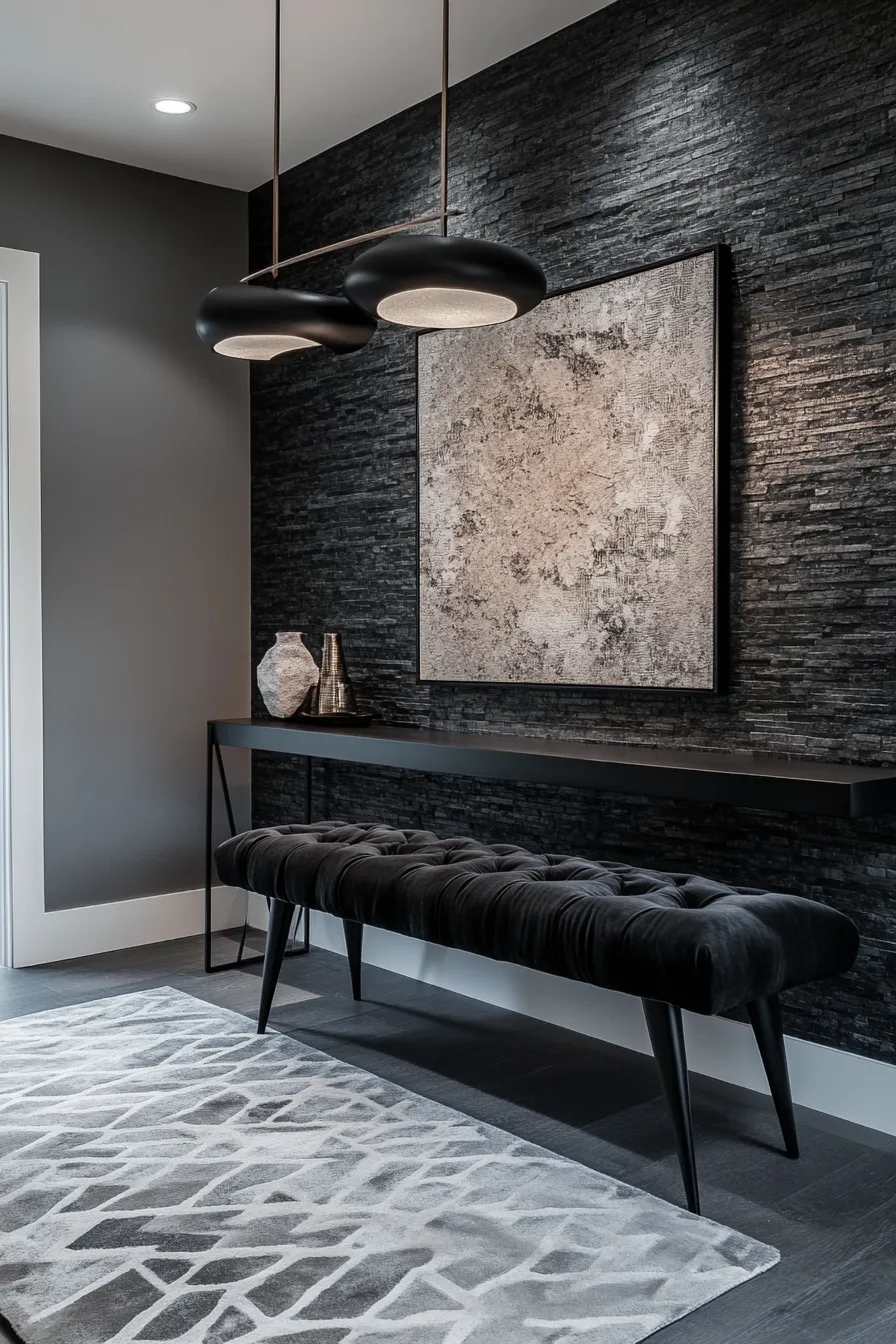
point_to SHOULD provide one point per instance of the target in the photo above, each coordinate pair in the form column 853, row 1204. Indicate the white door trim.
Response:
column 85, row 930
column 21, row 666
column 5, row 826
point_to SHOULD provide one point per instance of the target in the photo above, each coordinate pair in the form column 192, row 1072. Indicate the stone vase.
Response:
column 286, row 674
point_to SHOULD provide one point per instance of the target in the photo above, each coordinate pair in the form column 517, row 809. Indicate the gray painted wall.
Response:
column 145, row 471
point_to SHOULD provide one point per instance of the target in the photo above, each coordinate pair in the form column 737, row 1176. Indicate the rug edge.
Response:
column 9, row 1328
column 757, row 1273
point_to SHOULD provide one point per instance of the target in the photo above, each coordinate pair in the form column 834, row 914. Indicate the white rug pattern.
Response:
column 165, row 1174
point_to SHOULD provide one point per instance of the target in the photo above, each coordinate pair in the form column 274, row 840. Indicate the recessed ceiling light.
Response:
column 175, row 107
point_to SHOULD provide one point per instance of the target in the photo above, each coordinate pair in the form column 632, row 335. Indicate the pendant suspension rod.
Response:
column 347, row 242
column 441, row 218
column 275, row 192
column 443, row 154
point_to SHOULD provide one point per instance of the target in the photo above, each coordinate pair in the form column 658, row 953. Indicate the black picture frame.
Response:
column 722, row 274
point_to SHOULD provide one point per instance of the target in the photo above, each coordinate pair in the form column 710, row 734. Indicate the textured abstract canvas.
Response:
column 568, row 489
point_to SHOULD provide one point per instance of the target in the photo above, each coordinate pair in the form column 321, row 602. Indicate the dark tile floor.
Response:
column 832, row 1214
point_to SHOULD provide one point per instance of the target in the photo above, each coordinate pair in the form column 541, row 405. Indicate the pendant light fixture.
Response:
column 431, row 280
column 256, row 322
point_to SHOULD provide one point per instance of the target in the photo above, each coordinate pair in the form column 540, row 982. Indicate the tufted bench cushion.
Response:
column 684, row 940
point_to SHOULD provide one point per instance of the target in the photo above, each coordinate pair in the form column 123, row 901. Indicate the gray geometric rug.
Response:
column 165, row 1174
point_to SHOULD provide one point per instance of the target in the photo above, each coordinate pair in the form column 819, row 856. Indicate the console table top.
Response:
column 734, row 779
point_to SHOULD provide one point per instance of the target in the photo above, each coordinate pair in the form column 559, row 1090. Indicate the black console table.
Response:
column 732, row 779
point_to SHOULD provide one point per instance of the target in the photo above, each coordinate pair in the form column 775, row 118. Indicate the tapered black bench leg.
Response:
column 667, row 1038
column 765, row 1019
column 279, row 924
column 354, row 937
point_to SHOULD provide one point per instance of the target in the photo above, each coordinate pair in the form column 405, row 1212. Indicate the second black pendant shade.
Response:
column 247, row 321
column 256, row 322
column 427, row 280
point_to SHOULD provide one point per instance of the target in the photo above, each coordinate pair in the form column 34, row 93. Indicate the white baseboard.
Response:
column 832, row 1081
column 88, row 929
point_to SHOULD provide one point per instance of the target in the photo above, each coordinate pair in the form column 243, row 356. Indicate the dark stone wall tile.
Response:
column 647, row 130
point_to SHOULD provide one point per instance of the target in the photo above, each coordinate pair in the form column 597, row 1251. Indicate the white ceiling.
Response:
column 81, row 74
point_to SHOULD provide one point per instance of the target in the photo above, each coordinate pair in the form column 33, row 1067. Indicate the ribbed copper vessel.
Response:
column 334, row 693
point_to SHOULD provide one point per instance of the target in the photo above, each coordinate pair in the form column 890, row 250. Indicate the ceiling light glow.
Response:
column 174, row 107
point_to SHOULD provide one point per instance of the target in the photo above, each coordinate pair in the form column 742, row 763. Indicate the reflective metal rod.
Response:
column 347, row 242
column 443, row 163
column 275, row 195
column 441, row 218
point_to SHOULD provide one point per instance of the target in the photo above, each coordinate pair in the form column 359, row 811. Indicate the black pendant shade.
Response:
column 415, row 280
column 426, row 280
column 255, row 322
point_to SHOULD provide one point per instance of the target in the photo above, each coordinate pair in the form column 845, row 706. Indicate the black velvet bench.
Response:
column 675, row 941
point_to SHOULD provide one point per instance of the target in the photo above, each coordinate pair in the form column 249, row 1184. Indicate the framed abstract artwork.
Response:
column 571, row 492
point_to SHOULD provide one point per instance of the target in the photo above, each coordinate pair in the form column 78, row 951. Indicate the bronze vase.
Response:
column 334, row 693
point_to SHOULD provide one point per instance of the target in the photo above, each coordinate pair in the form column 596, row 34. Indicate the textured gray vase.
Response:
column 286, row 674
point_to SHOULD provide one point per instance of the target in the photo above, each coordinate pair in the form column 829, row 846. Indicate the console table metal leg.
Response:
column 209, row 799
column 213, row 758
column 222, row 774
column 309, row 763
